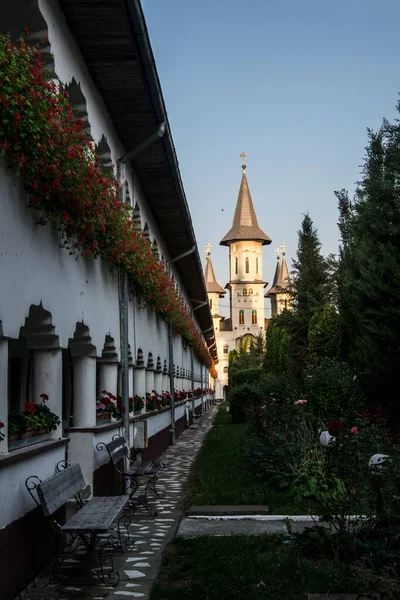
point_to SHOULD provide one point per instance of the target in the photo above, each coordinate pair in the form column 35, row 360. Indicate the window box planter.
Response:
column 27, row 441
column 103, row 418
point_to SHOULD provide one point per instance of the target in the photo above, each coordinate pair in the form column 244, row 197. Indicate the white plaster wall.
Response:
column 15, row 501
column 33, row 269
column 33, row 266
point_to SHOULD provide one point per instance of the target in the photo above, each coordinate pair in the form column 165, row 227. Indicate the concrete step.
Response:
column 244, row 509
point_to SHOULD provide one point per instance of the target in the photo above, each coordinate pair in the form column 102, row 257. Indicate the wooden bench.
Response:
column 133, row 475
column 93, row 517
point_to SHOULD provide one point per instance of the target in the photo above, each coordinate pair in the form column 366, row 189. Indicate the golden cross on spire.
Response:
column 284, row 246
column 207, row 249
column 277, row 252
column 243, row 156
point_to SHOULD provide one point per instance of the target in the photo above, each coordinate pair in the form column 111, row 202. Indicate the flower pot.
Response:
column 27, row 434
column 13, row 437
column 37, row 432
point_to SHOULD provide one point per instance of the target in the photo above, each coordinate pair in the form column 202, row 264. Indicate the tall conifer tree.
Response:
column 370, row 270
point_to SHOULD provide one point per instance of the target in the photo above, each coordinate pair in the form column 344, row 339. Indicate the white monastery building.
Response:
column 60, row 318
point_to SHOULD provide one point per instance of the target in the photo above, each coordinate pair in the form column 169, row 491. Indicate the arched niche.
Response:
column 146, row 232
column 150, row 361
column 139, row 359
column 136, row 216
column 78, row 102
column 154, row 249
column 81, row 342
column 18, row 14
column 109, row 352
column 39, row 330
column 103, row 152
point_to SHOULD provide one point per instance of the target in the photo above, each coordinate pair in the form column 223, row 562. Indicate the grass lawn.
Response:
column 221, row 474
column 242, row 568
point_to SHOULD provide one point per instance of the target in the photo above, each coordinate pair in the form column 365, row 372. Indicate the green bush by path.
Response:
column 243, row 567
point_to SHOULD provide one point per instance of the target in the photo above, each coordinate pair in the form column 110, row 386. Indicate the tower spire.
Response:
column 245, row 225
column 212, row 285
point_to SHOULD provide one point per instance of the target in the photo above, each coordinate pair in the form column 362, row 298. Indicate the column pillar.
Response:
column 149, row 378
column 47, row 379
column 84, row 388
column 108, row 376
column 150, row 375
column 4, row 392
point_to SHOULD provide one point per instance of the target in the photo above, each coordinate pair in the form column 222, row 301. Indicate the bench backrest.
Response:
column 58, row 489
column 117, row 449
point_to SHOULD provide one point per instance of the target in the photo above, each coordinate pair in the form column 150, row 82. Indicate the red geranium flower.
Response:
column 29, row 408
column 335, row 425
column 1, row 424
column 44, row 396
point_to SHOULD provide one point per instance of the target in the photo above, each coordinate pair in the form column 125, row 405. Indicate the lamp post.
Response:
column 378, row 463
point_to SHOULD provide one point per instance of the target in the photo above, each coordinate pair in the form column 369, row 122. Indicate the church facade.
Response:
column 246, row 286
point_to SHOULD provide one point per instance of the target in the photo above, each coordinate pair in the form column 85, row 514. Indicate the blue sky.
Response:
column 293, row 84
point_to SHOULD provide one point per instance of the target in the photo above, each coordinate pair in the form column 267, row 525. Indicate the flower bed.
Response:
column 47, row 148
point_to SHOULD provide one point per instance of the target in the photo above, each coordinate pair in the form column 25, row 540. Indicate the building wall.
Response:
column 72, row 348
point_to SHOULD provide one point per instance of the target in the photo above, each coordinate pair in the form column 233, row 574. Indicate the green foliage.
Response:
column 315, row 482
column 369, row 290
column 324, row 334
column 245, row 567
column 331, row 390
column 278, row 346
column 248, row 355
column 17, row 422
column 240, row 398
column 253, row 375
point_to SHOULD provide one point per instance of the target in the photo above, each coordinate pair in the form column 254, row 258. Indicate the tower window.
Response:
column 254, row 317
column 225, row 369
column 247, row 264
column 241, row 317
column 250, row 291
column 226, row 348
column 210, row 303
column 236, row 266
column 285, row 303
column 257, row 265
column 244, row 292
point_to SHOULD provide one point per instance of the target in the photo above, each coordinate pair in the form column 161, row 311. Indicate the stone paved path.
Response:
column 139, row 567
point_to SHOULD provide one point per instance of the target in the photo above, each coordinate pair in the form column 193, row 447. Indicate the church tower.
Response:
column 245, row 240
column 280, row 291
column 214, row 290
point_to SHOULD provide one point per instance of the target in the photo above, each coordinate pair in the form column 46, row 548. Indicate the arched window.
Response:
column 226, row 348
column 236, row 266
column 247, row 263
column 257, row 264
column 225, row 369
column 244, row 292
column 210, row 303
column 241, row 317
column 250, row 291
column 254, row 317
